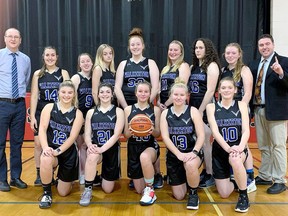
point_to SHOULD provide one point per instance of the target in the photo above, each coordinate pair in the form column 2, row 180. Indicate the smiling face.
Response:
column 179, row 96
column 136, row 46
column 105, row 94
column 232, row 55
column 174, row 52
column 266, row 47
column 227, row 89
column 66, row 94
column 12, row 39
column 143, row 92
column 85, row 63
column 50, row 57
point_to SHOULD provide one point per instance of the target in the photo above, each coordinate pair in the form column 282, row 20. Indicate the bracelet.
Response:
column 195, row 152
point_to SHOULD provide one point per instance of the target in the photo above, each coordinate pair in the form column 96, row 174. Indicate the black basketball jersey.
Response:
column 103, row 125
column 181, row 129
column 84, row 92
column 108, row 77
column 240, row 87
column 229, row 123
column 167, row 80
column 149, row 111
column 134, row 74
column 197, row 83
column 48, row 86
column 60, row 125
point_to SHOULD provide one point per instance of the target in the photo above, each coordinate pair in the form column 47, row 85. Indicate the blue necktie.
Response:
column 15, row 90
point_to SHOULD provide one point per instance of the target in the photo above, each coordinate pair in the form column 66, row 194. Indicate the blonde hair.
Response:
column 178, row 83
column 239, row 63
column 144, row 83
column 99, row 58
column 178, row 62
column 69, row 83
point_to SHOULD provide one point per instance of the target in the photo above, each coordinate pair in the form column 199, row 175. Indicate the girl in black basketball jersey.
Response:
column 44, row 90
column 175, row 67
column 180, row 125
column 143, row 151
column 104, row 68
column 134, row 70
column 203, row 80
column 83, row 84
column 59, row 127
column 103, row 126
column 243, row 78
column 229, row 121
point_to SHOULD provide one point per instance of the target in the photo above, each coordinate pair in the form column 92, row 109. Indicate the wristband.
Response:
column 195, row 152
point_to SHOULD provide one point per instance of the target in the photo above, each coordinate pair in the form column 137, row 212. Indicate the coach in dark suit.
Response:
column 270, row 106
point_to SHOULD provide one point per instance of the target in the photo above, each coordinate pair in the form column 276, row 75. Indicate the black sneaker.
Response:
column 131, row 184
column 207, row 181
column 242, row 204
column 46, row 201
column 158, row 181
column 97, row 180
column 37, row 181
column 193, row 202
column 203, row 174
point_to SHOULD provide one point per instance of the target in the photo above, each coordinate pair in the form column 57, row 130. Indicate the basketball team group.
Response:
column 202, row 113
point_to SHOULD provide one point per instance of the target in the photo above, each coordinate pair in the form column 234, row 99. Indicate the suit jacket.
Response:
column 276, row 89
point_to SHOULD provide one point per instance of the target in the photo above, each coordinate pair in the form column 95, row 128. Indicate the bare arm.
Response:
column 65, row 75
column 97, row 74
column 88, row 129
column 75, row 80
column 245, row 125
column 156, row 132
column 212, row 79
column 127, row 112
column 118, row 84
column 44, row 123
column 199, row 128
column 247, row 83
column 154, row 77
column 34, row 100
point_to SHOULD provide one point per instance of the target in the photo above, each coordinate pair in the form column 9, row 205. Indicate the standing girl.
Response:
column 44, row 90
column 83, row 84
column 103, row 126
column 203, row 80
column 229, row 121
column 59, row 127
column 175, row 67
column 143, row 151
column 180, row 125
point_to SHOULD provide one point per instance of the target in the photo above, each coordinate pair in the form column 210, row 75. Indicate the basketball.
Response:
column 140, row 125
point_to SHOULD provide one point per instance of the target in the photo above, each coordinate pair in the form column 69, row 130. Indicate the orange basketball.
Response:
column 141, row 124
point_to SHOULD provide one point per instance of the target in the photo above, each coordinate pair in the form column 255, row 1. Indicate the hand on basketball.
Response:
column 277, row 67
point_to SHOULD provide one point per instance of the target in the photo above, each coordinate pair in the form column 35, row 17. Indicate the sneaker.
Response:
column 82, row 179
column 37, row 181
column 131, row 184
column 46, row 201
column 148, row 197
column 158, row 181
column 86, row 197
column 207, row 181
column 97, row 180
column 202, row 174
column 193, row 202
column 251, row 187
column 242, row 204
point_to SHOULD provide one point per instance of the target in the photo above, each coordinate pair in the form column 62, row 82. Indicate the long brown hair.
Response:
column 43, row 68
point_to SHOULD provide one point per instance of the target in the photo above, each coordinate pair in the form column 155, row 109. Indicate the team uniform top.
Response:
column 149, row 111
column 240, row 87
column 84, row 92
column 167, row 80
column 197, row 86
column 107, row 77
column 48, row 86
column 134, row 74
column 60, row 125
column 229, row 123
column 103, row 125
column 181, row 129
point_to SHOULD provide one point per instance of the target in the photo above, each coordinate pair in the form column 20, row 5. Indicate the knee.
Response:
column 144, row 157
column 46, row 162
column 179, row 196
column 92, row 159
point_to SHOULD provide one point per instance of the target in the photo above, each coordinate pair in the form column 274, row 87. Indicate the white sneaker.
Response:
column 82, row 179
column 86, row 197
column 251, row 187
column 148, row 197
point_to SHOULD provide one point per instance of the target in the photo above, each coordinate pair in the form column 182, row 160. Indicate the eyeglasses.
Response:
column 13, row 37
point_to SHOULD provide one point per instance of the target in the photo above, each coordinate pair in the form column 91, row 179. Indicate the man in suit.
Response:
column 15, row 70
column 270, row 106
